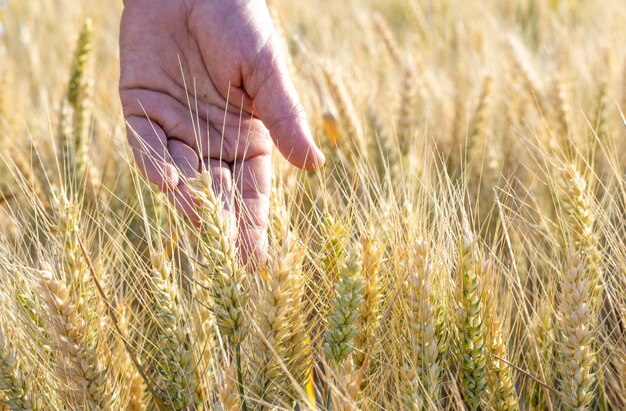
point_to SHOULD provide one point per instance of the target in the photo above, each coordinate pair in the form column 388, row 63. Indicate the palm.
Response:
column 202, row 82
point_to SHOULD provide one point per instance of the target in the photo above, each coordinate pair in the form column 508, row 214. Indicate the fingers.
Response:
column 149, row 145
column 184, row 157
column 253, row 183
column 213, row 133
column 222, row 185
column 278, row 106
column 176, row 119
column 166, row 163
column 168, row 149
column 170, row 162
column 187, row 163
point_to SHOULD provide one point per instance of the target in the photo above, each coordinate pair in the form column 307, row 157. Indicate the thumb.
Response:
column 277, row 104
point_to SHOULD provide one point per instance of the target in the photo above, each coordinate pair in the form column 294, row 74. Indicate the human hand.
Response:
column 218, row 63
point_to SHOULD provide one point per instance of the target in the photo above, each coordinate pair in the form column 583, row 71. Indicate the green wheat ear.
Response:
column 472, row 344
column 223, row 280
column 224, row 276
column 74, row 137
column 13, row 382
column 339, row 339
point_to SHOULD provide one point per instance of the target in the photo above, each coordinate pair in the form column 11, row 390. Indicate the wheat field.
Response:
column 464, row 247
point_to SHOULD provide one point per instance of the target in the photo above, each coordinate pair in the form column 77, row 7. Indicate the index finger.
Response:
column 149, row 144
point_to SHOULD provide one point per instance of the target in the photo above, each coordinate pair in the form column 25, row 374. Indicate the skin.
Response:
column 204, row 84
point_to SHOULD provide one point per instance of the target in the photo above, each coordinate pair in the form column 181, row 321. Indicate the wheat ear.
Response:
column 423, row 352
column 472, row 344
column 80, row 367
column 226, row 277
column 370, row 314
column 542, row 356
column 346, row 111
column 223, row 277
column 282, row 352
column 338, row 341
column 576, row 336
column 129, row 378
column 479, row 129
column 173, row 360
column 13, row 380
column 333, row 253
column 577, row 201
column 79, row 89
column 501, row 383
column 5, row 80
column 229, row 399
column 381, row 28
column 406, row 112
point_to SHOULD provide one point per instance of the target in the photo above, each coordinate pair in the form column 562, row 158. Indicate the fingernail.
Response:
column 171, row 175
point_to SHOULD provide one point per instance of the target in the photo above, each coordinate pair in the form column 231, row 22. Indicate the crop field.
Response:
column 462, row 248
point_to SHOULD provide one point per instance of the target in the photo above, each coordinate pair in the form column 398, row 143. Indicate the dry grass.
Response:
column 463, row 248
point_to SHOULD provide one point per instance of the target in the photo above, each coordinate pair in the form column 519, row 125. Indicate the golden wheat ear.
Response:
column 81, row 367
column 423, row 353
column 582, row 290
column 282, row 356
column 354, row 140
column 502, row 382
column 221, row 274
column 172, row 361
column 370, row 313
